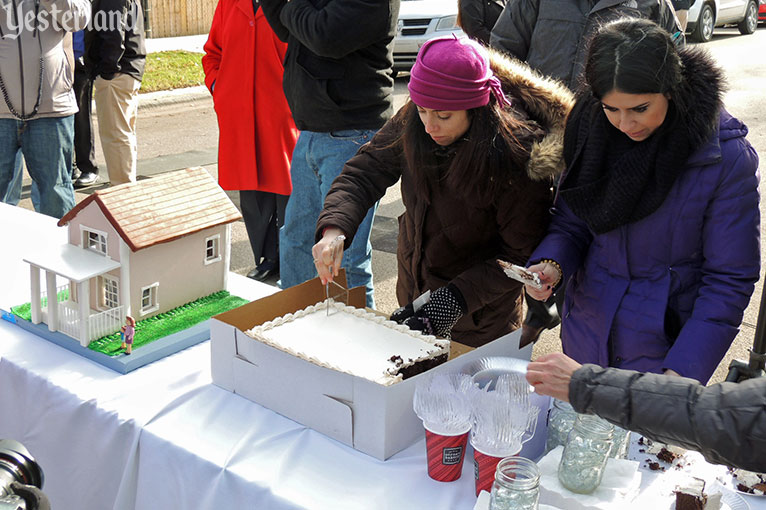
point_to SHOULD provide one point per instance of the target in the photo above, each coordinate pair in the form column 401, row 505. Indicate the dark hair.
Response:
column 495, row 146
column 634, row 56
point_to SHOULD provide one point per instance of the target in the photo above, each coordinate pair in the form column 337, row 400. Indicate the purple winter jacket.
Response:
column 693, row 263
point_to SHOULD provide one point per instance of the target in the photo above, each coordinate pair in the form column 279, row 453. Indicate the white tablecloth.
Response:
column 163, row 436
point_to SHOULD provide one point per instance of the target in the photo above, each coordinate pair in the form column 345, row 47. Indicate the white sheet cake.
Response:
column 353, row 341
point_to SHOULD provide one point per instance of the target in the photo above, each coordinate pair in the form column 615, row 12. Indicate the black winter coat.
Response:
column 338, row 62
column 552, row 35
column 114, row 43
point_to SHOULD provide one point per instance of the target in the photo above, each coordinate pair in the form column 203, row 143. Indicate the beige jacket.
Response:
column 20, row 55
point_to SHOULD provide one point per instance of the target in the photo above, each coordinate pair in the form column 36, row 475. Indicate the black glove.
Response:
column 403, row 313
column 437, row 317
column 34, row 498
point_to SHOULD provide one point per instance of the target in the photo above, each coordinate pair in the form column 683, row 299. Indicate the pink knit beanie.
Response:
column 453, row 73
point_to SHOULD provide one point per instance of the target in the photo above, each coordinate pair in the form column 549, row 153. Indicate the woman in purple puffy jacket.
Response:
column 656, row 222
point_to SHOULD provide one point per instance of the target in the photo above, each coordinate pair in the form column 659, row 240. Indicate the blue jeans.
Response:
column 46, row 144
column 318, row 159
column 13, row 193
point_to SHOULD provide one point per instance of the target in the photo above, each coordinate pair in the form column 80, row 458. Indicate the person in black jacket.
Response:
column 339, row 88
column 726, row 422
column 477, row 17
column 115, row 53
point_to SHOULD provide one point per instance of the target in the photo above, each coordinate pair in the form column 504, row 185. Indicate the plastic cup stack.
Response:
column 502, row 421
column 442, row 402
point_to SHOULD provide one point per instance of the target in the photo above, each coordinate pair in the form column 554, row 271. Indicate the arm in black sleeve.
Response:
column 472, row 20
column 112, row 37
column 726, row 422
column 340, row 27
column 272, row 9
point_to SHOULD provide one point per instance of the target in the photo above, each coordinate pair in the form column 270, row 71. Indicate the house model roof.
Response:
column 162, row 208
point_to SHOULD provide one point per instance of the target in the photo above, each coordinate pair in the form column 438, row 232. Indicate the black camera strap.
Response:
column 40, row 82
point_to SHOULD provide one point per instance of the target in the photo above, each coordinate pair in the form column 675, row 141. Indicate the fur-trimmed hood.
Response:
column 544, row 100
column 699, row 97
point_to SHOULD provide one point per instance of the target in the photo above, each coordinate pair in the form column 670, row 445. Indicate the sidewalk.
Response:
column 193, row 43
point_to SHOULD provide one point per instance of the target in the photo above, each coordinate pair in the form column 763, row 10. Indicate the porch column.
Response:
column 35, row 308
column 125, row 283
column 83, row 294
column 53, row 303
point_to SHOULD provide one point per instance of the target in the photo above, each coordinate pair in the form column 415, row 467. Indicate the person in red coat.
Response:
column 256, row 129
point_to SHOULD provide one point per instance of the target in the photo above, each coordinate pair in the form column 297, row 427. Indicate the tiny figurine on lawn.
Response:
column 127, row 332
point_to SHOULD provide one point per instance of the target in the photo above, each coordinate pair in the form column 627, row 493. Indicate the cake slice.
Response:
column 692, row 497
column 353, row 341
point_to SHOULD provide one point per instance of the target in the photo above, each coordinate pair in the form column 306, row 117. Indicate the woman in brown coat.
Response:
column 477, row 148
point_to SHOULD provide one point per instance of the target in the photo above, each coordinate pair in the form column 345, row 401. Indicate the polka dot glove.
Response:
column 440, row 314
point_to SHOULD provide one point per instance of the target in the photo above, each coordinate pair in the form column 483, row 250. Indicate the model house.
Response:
column 136, row 249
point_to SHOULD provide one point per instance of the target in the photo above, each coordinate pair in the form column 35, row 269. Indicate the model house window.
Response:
column 149, row 301
column 212, row 249
column 94, row 241
column 110, row 297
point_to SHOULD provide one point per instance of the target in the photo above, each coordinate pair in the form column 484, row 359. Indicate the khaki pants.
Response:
column 117, row 108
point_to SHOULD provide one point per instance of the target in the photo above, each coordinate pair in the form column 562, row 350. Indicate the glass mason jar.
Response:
column 560, row 422
column 585, row 454
column 620, row 443
column 516, row 486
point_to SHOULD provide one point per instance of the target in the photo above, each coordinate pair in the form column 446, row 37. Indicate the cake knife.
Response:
column 335, row 244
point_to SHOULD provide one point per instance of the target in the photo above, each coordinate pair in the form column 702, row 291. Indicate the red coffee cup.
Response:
column 445, row 455
column 484, row 467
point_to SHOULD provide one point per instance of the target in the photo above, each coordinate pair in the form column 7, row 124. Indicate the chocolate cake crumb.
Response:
column 655, row 466
column 666, row 455
column 396, row 360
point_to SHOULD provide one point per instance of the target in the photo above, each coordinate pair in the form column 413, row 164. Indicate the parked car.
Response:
column 762, row 12
column 419, row 21
column 705, row 15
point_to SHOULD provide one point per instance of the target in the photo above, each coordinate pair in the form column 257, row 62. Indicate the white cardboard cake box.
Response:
column 375, row 419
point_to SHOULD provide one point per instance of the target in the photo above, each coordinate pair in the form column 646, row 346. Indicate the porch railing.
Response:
column 106, row 322
column 69, row 321
column 62, row 294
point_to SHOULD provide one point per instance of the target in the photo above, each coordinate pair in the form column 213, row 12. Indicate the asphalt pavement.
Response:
column 160, row 112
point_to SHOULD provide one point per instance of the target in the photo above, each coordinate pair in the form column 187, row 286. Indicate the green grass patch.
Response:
column 175, row 69
column 172, row 321
column 25, row 311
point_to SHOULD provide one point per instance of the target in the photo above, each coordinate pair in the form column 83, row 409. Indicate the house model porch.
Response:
column 136, row 249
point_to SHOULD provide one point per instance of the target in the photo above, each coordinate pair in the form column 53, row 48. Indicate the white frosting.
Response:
column 349, row 340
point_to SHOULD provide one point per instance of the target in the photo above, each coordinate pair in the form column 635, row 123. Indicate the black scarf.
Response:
column 612, row 180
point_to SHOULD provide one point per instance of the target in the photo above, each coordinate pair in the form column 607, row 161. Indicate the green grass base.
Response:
column 158, row 326
column 172, row 321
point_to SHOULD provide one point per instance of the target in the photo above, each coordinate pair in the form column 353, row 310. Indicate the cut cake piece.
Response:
column 353, row 341
column 693, row 497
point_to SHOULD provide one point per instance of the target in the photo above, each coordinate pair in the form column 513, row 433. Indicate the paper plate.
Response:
column 730, row 482
column 485, row 371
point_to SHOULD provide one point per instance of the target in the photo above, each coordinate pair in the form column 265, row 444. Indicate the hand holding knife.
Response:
column 328, row 255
